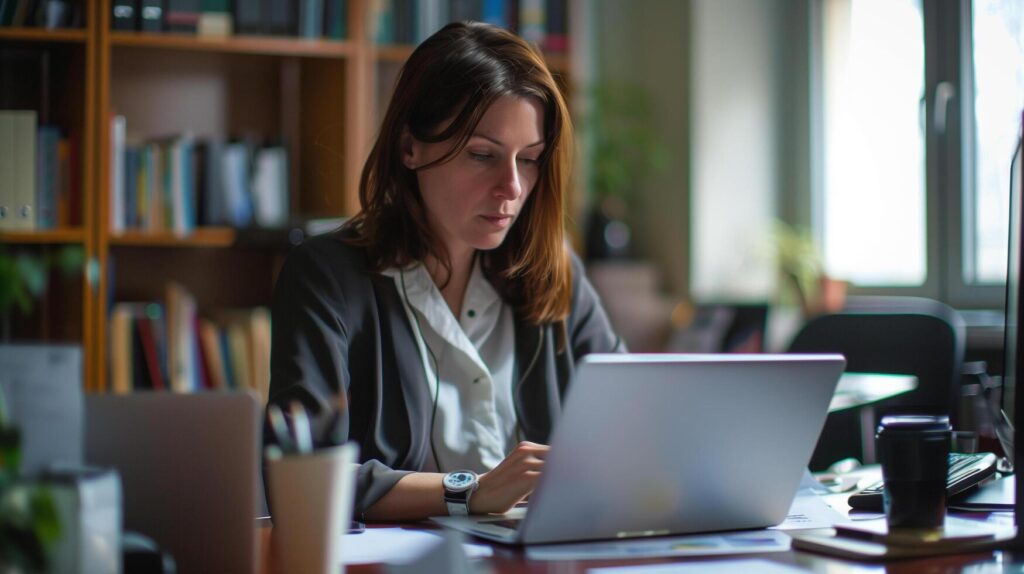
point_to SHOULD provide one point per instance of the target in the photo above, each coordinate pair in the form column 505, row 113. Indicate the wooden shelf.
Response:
column 70, row 235
column 393, row 52
column 71, row 35
column 201, row 237
column 558, row 62
column 398, row 53
column 264, row 45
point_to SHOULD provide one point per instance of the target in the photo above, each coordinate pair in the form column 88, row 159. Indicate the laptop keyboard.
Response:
column 510, row 523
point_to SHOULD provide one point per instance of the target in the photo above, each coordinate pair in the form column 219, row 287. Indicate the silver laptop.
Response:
column 650, row 445
column 189, row 469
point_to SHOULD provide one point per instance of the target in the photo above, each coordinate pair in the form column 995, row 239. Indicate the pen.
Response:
column 300, row 428
column 280, row 428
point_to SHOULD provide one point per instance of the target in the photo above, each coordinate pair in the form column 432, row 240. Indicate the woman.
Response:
column 443, row 322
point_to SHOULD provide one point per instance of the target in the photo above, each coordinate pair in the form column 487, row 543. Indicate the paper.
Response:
column 810, row 511
column 721, row 567
column 750, row 542
column 397, row 546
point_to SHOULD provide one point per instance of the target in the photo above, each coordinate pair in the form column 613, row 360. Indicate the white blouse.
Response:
column 473, row 360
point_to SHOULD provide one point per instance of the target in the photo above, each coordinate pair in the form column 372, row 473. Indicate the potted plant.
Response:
column 802, row 268
column 623, row 149
column 23, row 279
column 29, row 522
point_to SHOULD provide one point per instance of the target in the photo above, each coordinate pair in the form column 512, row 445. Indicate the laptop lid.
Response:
column 667, row 444
column 188, row 466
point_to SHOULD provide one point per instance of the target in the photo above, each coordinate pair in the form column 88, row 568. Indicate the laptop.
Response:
column 652, row 445
column 189, row 468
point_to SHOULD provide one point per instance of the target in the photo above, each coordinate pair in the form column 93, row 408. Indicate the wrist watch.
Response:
column 458, row 488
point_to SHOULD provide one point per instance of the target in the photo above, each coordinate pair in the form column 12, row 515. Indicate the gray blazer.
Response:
column 339, row 328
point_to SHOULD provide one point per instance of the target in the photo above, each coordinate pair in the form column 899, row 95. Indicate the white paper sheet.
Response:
column 723, row 567
column 397, row 546
column 811, row 511
column 748, row 542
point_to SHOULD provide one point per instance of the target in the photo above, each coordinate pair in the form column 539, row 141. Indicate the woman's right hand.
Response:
column 511, row 481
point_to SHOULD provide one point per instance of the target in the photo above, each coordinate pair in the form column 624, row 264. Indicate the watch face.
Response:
column 460, row 480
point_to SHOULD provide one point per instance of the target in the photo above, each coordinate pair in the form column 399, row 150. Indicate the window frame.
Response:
column 949, row 156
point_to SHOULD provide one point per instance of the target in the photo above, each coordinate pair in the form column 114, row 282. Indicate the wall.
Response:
column 646, row 43
column 729, row 79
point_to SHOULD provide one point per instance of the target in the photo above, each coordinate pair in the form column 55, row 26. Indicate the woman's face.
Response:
column 474, row 199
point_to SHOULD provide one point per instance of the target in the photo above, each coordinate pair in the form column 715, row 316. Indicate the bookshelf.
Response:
column 318, row 99
column 52, row 73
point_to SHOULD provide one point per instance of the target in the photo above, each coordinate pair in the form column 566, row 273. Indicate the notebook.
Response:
column 652, row 445
column 189, row 468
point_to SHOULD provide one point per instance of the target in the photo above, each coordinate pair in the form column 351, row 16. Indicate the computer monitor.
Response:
column 1013, row 351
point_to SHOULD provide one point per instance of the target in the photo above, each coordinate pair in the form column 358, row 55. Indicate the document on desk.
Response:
column 747, row 542
column 397, row 546
column 723, row 567
column 809, row 510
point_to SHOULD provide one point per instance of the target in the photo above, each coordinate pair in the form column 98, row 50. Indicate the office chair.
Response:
column 893, row 335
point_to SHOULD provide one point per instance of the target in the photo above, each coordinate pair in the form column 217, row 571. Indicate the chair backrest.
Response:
column 899, row 335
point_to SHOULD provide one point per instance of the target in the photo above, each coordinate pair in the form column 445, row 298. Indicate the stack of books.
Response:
column 542, row 22
column 169, row 346
column 298, row 18
column 177, row 183
column 42, row 13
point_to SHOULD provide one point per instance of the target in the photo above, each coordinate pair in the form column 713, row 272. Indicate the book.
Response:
column 311, row 18
column 248, row 17
column 21, row 12
column 118, row 129
column 383, row 21
column 151, row 15
column 280, row 18
column 121, row 316
column 181, row 309
column 404, row 21
column 209, row 335
column 67, row 185
column 270, row 187
column 182, row 16
column 532, row 20
column 495, row 12
column 335, row 16
column 556, row 38
column 150, row 347
column 48, row 176
column 124, row 15
column 463, row 10
column 432, row 16
column 131, row 194
column 237, row 199
column 215, row 19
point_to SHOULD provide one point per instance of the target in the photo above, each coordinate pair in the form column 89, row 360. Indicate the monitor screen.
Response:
column 1013, row 351
column 1013, row 294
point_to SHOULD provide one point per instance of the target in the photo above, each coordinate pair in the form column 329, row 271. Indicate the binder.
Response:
column 125, row 15
column 151, row 16
column 18, row 170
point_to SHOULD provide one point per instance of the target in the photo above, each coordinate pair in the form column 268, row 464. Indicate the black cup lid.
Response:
column 915, row 423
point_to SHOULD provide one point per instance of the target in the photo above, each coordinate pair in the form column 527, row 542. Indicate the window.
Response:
column 919, row 106
column 998, row 61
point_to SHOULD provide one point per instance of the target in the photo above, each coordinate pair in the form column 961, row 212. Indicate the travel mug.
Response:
column 914, row 452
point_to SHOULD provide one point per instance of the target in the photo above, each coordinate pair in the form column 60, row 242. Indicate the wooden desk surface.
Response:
column 512, row 560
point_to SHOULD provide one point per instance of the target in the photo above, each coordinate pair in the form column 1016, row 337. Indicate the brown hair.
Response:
column 454, row 76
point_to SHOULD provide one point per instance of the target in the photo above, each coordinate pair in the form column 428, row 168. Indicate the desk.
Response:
column 512, row 560
column 863, row 390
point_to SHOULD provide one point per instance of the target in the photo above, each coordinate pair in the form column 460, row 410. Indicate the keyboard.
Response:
column 965, row 471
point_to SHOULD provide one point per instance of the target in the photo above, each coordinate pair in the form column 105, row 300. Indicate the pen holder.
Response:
column 312, row 508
